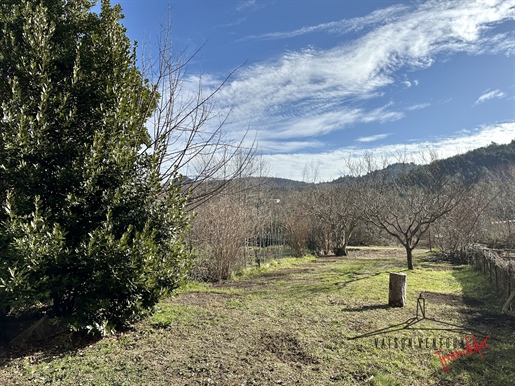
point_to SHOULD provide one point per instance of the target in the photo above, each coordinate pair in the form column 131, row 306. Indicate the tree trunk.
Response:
column 345, row 246
column 397, row 291
column 508, row 302
column 340, row 251
column 409, row 255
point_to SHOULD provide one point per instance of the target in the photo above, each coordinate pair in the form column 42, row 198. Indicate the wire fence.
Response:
column 497, row 265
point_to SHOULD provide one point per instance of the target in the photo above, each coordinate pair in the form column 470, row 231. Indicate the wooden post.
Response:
column 397, row 292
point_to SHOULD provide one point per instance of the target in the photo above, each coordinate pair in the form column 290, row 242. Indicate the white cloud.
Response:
column 330, row 165
column 252, row 5
column 235, row 23
column 285, row 128
column 288, row 146
column 418, row 106
column 291, row 102
column 245, row 4
column 490, row 95
column 337, row 27
column 312, row 91
column 373, row 138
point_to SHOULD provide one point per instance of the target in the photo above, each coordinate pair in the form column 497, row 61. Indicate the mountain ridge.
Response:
column 472, row 165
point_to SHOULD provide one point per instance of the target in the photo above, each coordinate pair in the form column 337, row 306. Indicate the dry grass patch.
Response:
column 292, row 326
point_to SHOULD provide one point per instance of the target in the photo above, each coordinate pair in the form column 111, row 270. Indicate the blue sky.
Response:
column 324, row 81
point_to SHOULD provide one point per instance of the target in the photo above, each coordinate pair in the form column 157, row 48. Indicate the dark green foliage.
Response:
column 85, row 227
column 476, row 164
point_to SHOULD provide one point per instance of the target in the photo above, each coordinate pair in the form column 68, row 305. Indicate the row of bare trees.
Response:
column 400, row 204
column 237, row 218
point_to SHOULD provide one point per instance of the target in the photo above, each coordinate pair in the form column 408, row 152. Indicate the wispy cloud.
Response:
column 311, row 81
column 418, row 106
column 490, row 95
column 267, row 146
column 245, row 4
column 235, row 23
column 308, row 93
column 337, row 27
column 373, row 138
column 330, row 165
column 252, row 5
column 324, row 123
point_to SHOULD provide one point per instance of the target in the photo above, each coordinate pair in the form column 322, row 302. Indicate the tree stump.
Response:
column 397, row 292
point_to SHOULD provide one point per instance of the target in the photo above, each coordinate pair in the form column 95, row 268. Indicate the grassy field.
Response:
column 312, row 321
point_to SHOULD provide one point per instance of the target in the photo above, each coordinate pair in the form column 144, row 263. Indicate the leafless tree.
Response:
column 261, row 208
column 295, row 222
column 217, row 237
column 336, row 211
column 188, row 126
column 456, row 231
column 502, row 211
column 235, row 226
column 406, row 205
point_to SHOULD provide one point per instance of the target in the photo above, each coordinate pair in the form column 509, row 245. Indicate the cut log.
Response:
column 397, row 293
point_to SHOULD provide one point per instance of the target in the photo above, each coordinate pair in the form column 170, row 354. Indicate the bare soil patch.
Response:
column 436, row 298
column 289, row 327
column 201, row 299
column 286, row 347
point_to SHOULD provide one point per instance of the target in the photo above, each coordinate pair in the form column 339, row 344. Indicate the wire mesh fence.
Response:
column 498, row 266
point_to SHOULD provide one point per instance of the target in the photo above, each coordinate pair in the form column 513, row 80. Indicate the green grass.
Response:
column 270, row 266
column 293, row 322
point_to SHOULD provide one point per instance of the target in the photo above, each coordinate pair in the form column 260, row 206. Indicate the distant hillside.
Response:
column 276, row 183
column 472, row 165
column 391, row 171
column 477, row 163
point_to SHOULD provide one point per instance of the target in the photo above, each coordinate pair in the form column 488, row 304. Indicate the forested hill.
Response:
column 476, row 163
column 391, row 172
column 275, row 183
column 472, row 165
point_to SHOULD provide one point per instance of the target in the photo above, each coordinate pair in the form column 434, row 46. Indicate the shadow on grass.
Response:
column 367, row 308
column 496, row 367
column 302, row 291
column 317, row 287
column 57, row 343
column 356, row 273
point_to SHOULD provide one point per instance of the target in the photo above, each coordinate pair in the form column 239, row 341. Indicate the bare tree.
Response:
column 456, row 231
column 337, row 211
column 218, row 236
column 188, row 127
column 407, row 205
column 502, row 211
column 295, row 221
column 229, row 225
